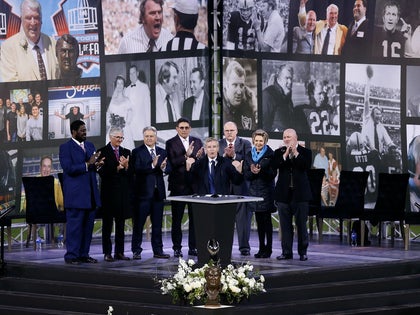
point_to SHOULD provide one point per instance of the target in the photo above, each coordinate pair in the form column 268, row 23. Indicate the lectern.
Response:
column 214, row 217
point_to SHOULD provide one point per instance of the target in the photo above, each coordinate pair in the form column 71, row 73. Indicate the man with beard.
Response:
column 279, row 112
column 241, row 34
column 149, row 35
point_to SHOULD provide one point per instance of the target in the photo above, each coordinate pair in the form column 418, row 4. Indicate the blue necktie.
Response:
column 211, row 178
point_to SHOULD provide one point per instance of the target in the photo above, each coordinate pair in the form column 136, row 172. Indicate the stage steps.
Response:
column 389, row 288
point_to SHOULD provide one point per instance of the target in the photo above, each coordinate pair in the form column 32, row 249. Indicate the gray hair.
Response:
column 113, row 130
column 150, row 128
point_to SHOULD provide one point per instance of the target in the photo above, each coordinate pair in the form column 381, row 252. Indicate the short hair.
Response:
column 211, row 139
column 68, row 39
column 114, row 129
column 271, row 3
column 143, row 8
column 235, row 67
column 332, row 5
column 364, row 2
column 45, row 157
column 183, row 119
column 379, row 109
column 188, row 21
column 260, row 132
column 75, row 125
column 119, row 77
column 200, row 72
column 150, row 128
column 165, row 71
column 391, row 4
column 33, row 4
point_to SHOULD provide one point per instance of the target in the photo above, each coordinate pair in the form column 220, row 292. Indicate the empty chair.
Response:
column 350, row 201
column 40, row 203
column 390, row 203
column 315, row 177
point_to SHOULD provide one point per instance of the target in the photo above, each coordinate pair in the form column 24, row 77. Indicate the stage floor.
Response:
column 330, row 254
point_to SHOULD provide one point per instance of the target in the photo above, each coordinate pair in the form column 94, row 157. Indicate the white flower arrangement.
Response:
column 24, row 44
column 187, row 285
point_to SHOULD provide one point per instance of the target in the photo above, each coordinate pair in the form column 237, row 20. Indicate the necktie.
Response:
column 117, row 154
column 41, row 64
column 151, row 45
column 82, row 145
column 211, row 177
column 376, row 136
column 152, row 153
column 169, row 108
column 326, row 42
column 132, row 85
column 354, row 29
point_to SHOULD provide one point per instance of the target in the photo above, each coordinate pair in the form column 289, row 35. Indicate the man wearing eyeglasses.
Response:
column 235, row 148
column 179, row 149
column 115, row 196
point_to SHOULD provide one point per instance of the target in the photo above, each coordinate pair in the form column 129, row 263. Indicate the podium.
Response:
column 214, row 217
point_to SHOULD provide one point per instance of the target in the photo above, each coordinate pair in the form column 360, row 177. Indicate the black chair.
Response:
column 390, row 204
column 315, row 177
column 350, row 201
column 40, row 204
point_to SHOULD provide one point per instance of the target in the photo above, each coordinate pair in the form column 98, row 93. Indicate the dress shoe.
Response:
column 259, row 254
column 284, row 257
column 192, row 252
column 245, row 252
column 88, row 260
column 177, row 253
column 121, row 257
column 162, row 255
column 303, row 258
column 73, row 261
column 108, row 258
column 266, row 255
column 136, row 256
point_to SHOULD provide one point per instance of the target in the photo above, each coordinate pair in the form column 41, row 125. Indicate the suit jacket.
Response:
column 79, row 183
column 340, row 37
column 146, row 177
column 18, row 64
column 297, row 167
column 360, row 42
column 242, row 148
column 302, row 42
column 187, row 107
column 225, row 174
column 115, row 185
column 177, row 182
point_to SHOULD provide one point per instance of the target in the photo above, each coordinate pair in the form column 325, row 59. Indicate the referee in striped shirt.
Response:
column 185, row 19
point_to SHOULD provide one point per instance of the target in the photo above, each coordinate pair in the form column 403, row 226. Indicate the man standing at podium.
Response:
column 235, row 149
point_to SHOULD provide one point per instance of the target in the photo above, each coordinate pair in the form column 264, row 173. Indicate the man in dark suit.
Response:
column 79, row 162
column 358, row 39
column 292, row 193
column 235, row 148
column 179, row 149
column 213, row 174
column 196, row 107
column 115, row 196
column 149, row 162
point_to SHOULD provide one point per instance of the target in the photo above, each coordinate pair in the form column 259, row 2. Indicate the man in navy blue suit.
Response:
column 79, row 162
column 292, row 193
column 149, row 163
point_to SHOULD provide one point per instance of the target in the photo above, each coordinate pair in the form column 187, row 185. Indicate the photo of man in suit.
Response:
column 167, row 100
column 179, row 149
column 149, row 163
column 79, row 162
column 304, row 36
column 235, row 148
column 29, row 55
column 196, row 107
column 115, row 193
column 292, row 193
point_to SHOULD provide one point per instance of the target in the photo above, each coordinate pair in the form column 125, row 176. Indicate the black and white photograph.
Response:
column 181, row 90
column 255, row 25
column 372, row 120
column 8, row 182
column 413, row 165
column 240, row 92
column 132, row 26
column 305, row 95
column 412, row 91
column 397, row 29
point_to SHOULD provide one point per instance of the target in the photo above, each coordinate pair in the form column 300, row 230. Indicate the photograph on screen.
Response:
column 181, row 90
column 69, row 103
column 251, row 25
column 326, row 156
column 372, row 120
column 8, row 183
column 305, row 95
column 412, row 92
column 131, row 27
column 240, row 92
column 413, row 160
column 128, row 99
column 67, row 26
column 397, row 29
